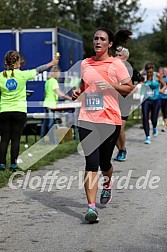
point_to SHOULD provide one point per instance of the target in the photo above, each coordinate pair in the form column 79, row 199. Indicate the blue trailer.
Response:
column 39, row 46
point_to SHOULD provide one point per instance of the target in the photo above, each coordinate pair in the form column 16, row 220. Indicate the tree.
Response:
column 140, row 52
column 14, row 14
column 118, row 14
column 159, row 39
column 27, row 13
column 80, row 16
column 44, row 13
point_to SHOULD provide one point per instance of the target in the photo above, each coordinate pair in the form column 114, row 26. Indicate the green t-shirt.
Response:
column 13, row 90
column 51, row 97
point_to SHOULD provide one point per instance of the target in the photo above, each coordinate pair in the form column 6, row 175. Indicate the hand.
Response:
column 76, row 93
column 103, row 85
column 55, row 61
column 161, row 91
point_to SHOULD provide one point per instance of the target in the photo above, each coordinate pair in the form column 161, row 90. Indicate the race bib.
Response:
column 150, row 92
column 165, row 91
column 93, row 101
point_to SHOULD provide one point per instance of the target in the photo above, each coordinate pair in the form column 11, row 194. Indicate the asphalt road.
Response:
column 46, row 218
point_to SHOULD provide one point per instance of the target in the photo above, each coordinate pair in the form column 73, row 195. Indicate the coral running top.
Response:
column 101, row 106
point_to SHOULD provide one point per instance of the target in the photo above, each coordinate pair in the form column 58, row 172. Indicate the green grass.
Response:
column 133, row 118
column 130, row 123
column 61, row 151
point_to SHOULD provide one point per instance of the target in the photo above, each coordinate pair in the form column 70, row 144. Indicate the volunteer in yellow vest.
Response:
column 13, row 104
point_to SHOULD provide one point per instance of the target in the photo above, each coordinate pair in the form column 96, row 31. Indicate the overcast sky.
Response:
column 154, row 8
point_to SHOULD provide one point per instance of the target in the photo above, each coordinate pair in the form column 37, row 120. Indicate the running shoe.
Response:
column 118, row 156
column 147, row 140
column 92, row 215
column 106, row 196
column 13, row 167
column 2, row 167
column 155, row 132
column 122, row 156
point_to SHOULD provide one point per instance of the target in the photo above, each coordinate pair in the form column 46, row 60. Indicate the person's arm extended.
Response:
column 44, row 67
column 61, row 94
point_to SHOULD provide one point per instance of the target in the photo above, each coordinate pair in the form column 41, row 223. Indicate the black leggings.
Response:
column 148, row 106
column 12, row 124
column 99, row 145
column 164, row 108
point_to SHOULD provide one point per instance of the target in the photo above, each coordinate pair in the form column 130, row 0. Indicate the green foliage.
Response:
column 118, row 14
column 151, row 47
column 61, row 151
column 15, row 13
column 140, row 52
column 79, row 16
column 84, row 16
column 160, row 39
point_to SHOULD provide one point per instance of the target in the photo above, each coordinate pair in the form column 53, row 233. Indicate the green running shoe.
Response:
column 106, row 196
column 92, row 215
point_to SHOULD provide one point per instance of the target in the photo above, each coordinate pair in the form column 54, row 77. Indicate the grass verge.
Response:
column 61, row 151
